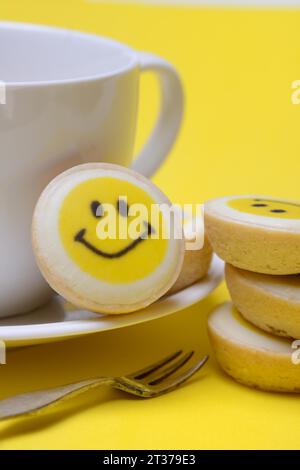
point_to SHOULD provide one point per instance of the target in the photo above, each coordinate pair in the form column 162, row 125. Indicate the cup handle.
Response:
column 169, row 119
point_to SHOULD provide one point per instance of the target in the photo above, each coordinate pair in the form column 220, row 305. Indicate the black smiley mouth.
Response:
column 80, row 238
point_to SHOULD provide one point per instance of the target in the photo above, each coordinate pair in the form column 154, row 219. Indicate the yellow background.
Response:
column 240, row 135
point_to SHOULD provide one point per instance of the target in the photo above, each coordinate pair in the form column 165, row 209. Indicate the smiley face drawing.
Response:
column 266, row 207
column 256, row 233
column 96, row 249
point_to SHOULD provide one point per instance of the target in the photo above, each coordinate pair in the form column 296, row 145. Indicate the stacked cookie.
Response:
column 259, row 238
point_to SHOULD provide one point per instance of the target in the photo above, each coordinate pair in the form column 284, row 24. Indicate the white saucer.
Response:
column 60, row 320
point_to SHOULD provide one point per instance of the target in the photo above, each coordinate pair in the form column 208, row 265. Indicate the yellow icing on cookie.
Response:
column 266, row 207
column 121, row 259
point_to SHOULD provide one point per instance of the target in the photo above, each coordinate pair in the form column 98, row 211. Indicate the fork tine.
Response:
column 141, row 374
column 181, row 378
column 172, row 368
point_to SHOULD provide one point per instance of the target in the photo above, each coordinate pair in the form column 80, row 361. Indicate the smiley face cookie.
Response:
column 251, row 356
column 269, row 302
column 256, row 233
column 103, row 240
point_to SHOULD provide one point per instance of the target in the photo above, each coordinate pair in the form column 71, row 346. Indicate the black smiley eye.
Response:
column 97, row 209
column 122, row 207
column 258, row 203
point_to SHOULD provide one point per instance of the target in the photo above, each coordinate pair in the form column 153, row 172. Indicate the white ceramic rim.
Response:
column 47, row 332
column 20, row 26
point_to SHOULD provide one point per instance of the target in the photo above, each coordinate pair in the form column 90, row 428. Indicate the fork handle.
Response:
column 33, row 402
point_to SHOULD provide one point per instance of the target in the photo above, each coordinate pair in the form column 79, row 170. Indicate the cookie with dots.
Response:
column 255, row 233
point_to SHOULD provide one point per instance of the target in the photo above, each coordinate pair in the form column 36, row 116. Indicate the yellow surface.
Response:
column 241, row 134
column 266, row 207
column 76, row 214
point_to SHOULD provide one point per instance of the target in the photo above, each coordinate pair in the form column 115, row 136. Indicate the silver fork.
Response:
column 150, row 382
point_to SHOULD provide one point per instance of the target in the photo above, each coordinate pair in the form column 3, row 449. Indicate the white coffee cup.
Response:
column 66, row 98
